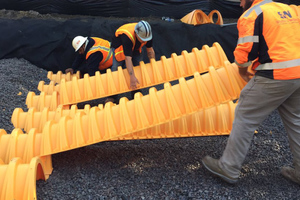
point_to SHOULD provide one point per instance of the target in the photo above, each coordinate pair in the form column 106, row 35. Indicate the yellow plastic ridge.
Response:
column 212, row 121
column 216, row 120
column 18, row 179
column 213, row 87
column 23, row 146
column 56, row 78
column 37, row 120
column 52, row 101
column 40, row 119
column 159, row 107
column 197, row 60
column 153, row 73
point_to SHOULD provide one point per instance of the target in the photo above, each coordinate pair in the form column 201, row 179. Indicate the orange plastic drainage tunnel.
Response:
column 201, row 106
column 110, row 83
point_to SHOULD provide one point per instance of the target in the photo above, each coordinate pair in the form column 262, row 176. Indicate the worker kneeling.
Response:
column 127, row 44
column 94, row 54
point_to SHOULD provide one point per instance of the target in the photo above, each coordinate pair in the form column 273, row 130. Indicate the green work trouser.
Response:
column 258, row 99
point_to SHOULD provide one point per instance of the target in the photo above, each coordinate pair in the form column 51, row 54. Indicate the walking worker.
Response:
column 127, row 43
column 94, row 54
column 269, row 35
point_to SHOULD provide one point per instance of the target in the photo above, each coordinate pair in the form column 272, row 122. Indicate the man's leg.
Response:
column 116, row 63
column 136, row 59
column 290, row 115
column 257, row 100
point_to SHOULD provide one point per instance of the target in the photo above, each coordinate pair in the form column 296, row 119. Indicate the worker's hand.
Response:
column 133, row 82
column 69, row 70
column 245, row 74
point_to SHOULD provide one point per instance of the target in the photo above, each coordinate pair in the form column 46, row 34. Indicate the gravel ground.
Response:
column 151, row 169
column 168, row 169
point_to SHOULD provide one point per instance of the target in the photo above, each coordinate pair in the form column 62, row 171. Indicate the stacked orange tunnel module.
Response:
column 144, row 112
column 18, row 179
column 153, row 73
column 217, row 86
column 198, row 107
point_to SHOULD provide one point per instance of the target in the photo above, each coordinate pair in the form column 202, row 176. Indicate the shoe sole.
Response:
column 228, row 180
column 289, row 177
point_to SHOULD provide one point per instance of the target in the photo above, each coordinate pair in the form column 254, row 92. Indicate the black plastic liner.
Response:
column 124, row 8
column 47, row 42
column 128, row 8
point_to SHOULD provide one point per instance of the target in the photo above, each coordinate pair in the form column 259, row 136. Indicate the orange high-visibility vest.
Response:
column 127, row 29
column 104, row 47
column 269, row 35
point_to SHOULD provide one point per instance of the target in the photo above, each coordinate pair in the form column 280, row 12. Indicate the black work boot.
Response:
column 291, row 174
column 212, row 165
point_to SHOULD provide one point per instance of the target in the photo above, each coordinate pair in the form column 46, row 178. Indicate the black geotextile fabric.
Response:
column 47, row 43
column 129, row 8
column 124, row 8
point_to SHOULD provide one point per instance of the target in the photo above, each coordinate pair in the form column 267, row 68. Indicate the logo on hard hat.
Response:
column 138, row 28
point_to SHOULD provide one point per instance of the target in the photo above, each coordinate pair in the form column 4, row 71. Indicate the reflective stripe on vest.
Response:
column 104, row 49
column 128, row 34
column 110, row 53
column 128, row 30
column 279, row 65
column 103, row 46
column 257, row 8
column 248, row 39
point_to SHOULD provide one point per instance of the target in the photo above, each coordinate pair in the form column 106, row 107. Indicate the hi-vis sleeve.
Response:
column 247, row 46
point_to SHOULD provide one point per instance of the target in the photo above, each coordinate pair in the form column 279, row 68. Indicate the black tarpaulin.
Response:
column 47, row 42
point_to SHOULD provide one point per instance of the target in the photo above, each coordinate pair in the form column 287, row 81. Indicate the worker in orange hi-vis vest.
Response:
column 94, row 54
column 127, row 43
column 269, row 40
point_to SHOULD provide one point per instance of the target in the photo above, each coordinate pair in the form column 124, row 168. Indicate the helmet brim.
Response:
column 80, row 44
column 145, row 39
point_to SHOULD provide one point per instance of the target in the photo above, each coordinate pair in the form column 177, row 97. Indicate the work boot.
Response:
column 212, row 165
column 291, row 174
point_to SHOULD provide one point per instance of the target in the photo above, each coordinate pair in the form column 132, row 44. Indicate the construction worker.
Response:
column 94, row 54
column 128, row 42
column 269, row 39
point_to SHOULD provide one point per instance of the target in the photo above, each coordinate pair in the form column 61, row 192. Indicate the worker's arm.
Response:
column 150, row 53
column 127, row 47
column 129, row 65
column 76, row 63
column 245, row 74
column 246, row 50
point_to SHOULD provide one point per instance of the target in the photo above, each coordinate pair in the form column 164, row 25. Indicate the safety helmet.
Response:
column 143, row 30
column 78, row 41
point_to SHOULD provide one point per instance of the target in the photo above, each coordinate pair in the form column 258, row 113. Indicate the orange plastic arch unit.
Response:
column 228, row 74
column 56, row 78
column 197, row 17
column 91, row 88
column 144, row 112
column 23, row 146
column 155, row 72
column 36, row 119
column 117, row 123
column 220, row 18
column 213, row 121
column 18, row 179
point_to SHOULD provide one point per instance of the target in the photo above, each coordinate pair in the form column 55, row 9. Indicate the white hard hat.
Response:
column 78, row 41
column 143, row 30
